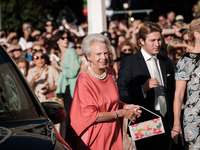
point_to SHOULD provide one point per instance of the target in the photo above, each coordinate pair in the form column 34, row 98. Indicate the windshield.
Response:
column 15, row 102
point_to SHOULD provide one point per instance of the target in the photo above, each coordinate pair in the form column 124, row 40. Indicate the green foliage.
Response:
column 15, row 12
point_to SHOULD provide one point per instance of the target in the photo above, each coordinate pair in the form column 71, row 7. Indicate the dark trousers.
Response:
column 67, row 105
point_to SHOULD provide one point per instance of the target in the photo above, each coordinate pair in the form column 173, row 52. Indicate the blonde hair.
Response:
column 194, row 27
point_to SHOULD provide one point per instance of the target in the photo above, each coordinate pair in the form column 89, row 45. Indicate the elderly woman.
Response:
column 42, row 78
column 96, row 112
column 187, row 75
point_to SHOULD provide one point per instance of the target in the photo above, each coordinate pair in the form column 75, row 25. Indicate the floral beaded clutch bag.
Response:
column 146, row 129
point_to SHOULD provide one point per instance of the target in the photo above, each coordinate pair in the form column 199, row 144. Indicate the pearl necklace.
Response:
column 100, row 77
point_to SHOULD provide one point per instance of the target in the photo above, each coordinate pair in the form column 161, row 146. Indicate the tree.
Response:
column 15, row 12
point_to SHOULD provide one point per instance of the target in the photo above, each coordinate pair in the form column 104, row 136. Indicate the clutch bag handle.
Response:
column 148, row 111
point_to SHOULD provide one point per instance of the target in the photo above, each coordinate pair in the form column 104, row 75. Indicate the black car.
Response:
column 24, row 121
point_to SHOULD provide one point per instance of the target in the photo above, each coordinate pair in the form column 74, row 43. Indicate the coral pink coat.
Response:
column 91, row 97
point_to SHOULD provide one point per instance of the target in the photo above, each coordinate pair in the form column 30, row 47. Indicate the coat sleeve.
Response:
column 84, row 110
column 130, row 82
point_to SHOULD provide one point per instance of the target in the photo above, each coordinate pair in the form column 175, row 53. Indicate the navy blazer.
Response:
column 133, row 73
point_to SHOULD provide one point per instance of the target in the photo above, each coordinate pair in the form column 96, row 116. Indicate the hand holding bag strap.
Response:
column 148, row 111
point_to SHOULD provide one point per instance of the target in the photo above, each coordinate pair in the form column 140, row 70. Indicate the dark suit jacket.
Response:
column 133, row 73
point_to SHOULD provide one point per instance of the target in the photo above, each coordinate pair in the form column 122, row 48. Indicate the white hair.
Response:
column 96, row 37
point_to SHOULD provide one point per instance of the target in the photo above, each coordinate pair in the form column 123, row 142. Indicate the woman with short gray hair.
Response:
column 96, row 112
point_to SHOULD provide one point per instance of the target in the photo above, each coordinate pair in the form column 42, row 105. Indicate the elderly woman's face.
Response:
column 39, row 59
column 99, row 55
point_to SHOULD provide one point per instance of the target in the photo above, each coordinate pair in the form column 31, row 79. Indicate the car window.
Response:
column 15, row 102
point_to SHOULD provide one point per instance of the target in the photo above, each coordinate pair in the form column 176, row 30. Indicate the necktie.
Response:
column 160, row 89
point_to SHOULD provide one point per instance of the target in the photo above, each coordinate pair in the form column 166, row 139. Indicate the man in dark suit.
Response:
column 138, row 85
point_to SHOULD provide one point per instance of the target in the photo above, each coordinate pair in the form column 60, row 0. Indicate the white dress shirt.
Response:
column 149, row 64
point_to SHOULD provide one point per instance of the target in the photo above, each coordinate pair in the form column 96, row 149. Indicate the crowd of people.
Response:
column 104, row 78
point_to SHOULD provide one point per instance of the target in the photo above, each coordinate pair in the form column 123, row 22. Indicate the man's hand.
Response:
column 149, row 84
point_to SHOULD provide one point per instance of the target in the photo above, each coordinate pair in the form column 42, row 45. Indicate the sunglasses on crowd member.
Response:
column 37, row 57
column 77, row 47
column 168, row 35
column 62, row 38
column 127, row 50
column 186, row 41
column 15, row 50
column 37, row 50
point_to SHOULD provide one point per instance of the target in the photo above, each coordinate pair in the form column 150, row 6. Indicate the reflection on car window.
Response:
column 15, row 103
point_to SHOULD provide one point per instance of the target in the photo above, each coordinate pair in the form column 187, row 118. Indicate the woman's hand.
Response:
column 175, row 133
column 131, row 106
column 54, row 63
column 36, row 76
column 44, row 90
column 131, row 112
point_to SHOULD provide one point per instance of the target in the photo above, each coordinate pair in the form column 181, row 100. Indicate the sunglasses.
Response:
column 37, row 57
column 63, row 38
column 186, row 41
column 127, row 50
column 77, row 47
column 37, row 50
column 168, row 35
column 15, row 50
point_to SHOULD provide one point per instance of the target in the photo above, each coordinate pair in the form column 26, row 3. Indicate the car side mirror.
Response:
column 55, row 111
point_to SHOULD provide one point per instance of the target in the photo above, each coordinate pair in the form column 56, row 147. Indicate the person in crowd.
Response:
column 113, row 42
column 120, row 39
column 3, row 36
column 170, row 35
column 36, row 34
column 126, row 48
column 83, row 28
column 147, row 79
column 187, row 75
column 27, row 30
column 49, row 26
column 112, row 26
column 135, row 26
column 184, row 37
column 12, row 38
column 23, row 65
column 84, row 62
column 43, row 78
column 123, row 27
column 188, row 45
column 68, row 65
column 96, row 112
column 174, row 52
column 15, row 51
column 162, row 20
column 28, row 50
column 170, row 18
